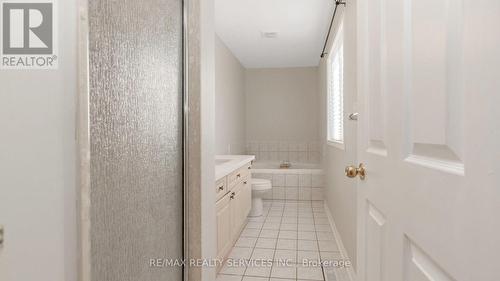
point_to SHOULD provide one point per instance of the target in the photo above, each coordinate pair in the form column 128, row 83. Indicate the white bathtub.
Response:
column 296, row 168
column 299, row 182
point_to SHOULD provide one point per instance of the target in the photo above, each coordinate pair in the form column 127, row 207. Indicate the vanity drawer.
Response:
column 221, row 188
column 246, row 171
column 235, row 177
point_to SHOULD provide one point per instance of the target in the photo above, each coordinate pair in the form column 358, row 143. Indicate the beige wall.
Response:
column 281, row 104
column 229, row 101
column 340, row 191
column 204, row 90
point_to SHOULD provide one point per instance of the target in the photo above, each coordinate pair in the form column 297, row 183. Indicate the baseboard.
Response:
column 350, row 271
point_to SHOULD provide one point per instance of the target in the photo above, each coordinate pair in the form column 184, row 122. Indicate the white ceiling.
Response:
column 301, row 27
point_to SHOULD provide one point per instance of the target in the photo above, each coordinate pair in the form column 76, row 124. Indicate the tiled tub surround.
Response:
column 302, row 182
column 301, row 152
column 291, row 232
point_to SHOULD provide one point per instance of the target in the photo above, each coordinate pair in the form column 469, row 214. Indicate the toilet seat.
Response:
column 261, row 184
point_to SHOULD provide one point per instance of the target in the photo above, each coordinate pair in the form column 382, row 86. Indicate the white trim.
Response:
column 83, row 146
column 337, row 46
column 186, row 214
column 343, row 252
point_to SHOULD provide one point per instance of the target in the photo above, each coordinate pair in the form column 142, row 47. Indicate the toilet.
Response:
column 259, row 188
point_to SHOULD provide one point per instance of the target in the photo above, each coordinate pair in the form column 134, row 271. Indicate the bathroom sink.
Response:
column 225, row 164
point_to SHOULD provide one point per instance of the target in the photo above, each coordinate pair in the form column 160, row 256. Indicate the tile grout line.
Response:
column 276, row 244
column 319, row 252
column 284, row 205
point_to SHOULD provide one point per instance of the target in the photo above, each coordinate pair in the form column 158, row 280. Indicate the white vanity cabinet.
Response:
column 224, row 231
column 234, row 201
column 241, row 198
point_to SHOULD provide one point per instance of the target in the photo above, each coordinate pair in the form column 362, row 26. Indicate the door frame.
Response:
column 83, row 146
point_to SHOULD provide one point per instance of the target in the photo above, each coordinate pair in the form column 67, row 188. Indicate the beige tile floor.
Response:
column 275, row 246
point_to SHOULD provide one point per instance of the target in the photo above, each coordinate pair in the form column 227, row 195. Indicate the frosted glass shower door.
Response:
column 135, row 138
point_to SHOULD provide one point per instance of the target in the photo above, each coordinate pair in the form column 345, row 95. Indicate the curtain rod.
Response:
column 337, row 3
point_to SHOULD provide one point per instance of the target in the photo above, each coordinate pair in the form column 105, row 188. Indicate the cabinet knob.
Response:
column 238, row 175
column 245, row 182
column 221, row 187
column 232, row 195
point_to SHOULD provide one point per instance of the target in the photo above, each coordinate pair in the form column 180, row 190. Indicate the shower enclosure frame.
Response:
column 82, row 136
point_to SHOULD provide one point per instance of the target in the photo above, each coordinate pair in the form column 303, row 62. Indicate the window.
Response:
column 335, row 88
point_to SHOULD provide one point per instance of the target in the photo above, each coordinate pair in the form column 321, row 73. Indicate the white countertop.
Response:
column 226, row 164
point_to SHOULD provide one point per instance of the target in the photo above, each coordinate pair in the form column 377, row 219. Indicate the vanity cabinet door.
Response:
column 220, row 188
column 246, row 198
column 236, row 222
column 240, row 205
column 224, row 228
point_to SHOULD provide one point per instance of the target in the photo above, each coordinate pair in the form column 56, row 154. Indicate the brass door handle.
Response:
column 352, row 171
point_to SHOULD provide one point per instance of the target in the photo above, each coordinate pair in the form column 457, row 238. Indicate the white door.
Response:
column 429, row 136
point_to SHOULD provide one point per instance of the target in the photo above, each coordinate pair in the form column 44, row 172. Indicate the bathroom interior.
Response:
column 227, row 132
column 274, row 92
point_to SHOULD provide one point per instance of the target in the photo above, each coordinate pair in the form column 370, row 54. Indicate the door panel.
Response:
column 236, row 208
column 434, row 89
column 135, row 123
column 420, row 267
column 376, row 71
column 375, row 223
column 428, row 204
column 224, row 231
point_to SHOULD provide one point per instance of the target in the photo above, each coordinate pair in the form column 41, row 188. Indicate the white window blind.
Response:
column 335, row 110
